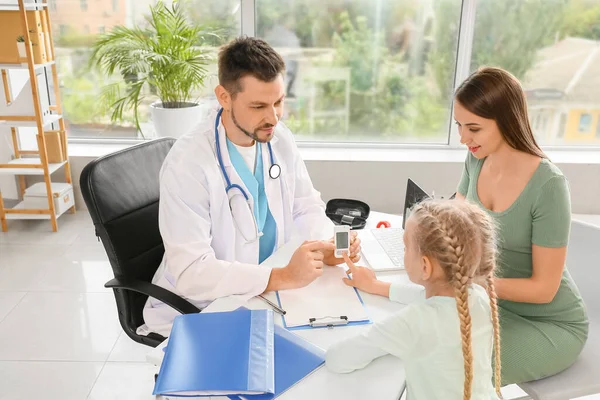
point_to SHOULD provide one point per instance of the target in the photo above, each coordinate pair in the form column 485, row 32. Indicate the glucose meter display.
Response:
column 341, row 240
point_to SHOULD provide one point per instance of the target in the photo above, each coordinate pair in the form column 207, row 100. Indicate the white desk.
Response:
column 381, row 380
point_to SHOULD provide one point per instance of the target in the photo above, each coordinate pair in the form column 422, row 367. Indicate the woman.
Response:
column 543, row 323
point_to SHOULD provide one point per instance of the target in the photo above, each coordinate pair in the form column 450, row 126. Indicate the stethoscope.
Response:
column 274, row 169
column 274, row 173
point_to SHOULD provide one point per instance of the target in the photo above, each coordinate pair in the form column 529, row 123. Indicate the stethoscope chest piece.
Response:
column 274, row 171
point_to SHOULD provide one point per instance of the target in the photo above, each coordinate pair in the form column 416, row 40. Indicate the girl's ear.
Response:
column 426, row 268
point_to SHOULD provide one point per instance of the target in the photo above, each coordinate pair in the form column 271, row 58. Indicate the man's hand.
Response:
column 305, row 266
column 365, row 279
column 330, row 258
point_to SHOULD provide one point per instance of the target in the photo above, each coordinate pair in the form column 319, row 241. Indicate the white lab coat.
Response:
column 205, row 255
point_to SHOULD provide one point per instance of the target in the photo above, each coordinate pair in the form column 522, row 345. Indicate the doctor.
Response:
column 235, row 189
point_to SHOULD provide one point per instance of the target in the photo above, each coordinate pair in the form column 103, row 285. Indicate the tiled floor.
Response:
column 59, row 333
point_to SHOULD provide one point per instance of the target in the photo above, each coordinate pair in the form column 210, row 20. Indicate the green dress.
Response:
column 537, row 340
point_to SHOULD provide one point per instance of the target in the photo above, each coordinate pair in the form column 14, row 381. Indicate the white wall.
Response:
column 382, row 184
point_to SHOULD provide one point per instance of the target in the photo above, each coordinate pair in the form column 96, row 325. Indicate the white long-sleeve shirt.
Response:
column 426, row 336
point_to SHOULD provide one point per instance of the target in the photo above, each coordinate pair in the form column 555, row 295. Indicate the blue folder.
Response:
column 295, row 358
column 219, row 354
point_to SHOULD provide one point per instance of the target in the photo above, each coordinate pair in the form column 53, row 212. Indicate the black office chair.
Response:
column 121, row 191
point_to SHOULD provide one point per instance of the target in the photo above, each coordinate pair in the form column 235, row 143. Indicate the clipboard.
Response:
column 326, row 303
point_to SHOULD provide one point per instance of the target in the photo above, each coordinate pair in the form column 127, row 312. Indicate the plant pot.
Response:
column 175, row 122
column 22, row 53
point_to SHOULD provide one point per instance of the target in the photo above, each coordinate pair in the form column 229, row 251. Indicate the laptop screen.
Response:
column 414, row 195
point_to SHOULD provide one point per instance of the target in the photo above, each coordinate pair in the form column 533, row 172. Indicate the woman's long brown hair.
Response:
column 494, row 93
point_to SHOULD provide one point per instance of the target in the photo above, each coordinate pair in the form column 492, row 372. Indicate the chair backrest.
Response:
column 583, row 260
column 121, row 191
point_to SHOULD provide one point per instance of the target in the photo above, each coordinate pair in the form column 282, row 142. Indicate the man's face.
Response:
column 258, row 107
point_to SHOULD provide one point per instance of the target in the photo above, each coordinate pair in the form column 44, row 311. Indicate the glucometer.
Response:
column 341, row 238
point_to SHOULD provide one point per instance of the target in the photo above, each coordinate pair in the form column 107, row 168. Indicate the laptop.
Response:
column 384, row 248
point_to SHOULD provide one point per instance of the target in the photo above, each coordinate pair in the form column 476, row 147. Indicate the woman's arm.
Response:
column 548, row 265
column 551, row 219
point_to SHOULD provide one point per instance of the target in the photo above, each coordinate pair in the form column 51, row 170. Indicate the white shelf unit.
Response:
column 34, row 162
column 16, row 170
column 29, row 5
column 21, row 206
column 25, row 66
column 46, row 122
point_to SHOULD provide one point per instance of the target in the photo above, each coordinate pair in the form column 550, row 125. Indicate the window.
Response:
column 81, row 89
column 555, row 58
column 585, row 123
column 364, row 70
column 540, row 121
column 377, row 71
column 562, row 127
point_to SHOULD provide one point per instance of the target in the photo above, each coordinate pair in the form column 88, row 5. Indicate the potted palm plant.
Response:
column 165, row 58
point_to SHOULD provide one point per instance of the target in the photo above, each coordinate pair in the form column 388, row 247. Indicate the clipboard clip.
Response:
column 328, row 321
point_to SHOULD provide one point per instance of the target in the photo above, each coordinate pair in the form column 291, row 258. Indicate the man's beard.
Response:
column 251, row 135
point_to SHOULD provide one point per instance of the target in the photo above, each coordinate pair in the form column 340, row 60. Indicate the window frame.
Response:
column 462, row 71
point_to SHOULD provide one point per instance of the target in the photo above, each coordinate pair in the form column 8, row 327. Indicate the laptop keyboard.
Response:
column 391, row 241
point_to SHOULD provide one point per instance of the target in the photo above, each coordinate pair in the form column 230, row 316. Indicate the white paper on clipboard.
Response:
column 327, row 296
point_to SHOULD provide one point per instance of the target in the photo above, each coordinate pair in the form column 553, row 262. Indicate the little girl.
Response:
column 445, row 340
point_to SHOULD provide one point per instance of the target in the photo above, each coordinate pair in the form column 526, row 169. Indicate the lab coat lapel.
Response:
column 245, row 174
column 275, row 195
column 234, row 177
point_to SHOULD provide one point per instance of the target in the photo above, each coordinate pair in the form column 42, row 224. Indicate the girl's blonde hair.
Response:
column 462, row 238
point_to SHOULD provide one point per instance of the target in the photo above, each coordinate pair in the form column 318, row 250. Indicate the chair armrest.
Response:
column 157, row 292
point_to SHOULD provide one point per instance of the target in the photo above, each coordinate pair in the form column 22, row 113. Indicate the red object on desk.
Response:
column 385, row 224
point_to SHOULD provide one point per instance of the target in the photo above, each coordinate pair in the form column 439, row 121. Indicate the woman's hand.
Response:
column 365, row 279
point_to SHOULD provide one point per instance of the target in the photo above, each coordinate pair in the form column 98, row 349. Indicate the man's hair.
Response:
column 248, row 56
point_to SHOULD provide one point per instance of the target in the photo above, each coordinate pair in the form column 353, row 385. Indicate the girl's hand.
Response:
column 365, row 279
